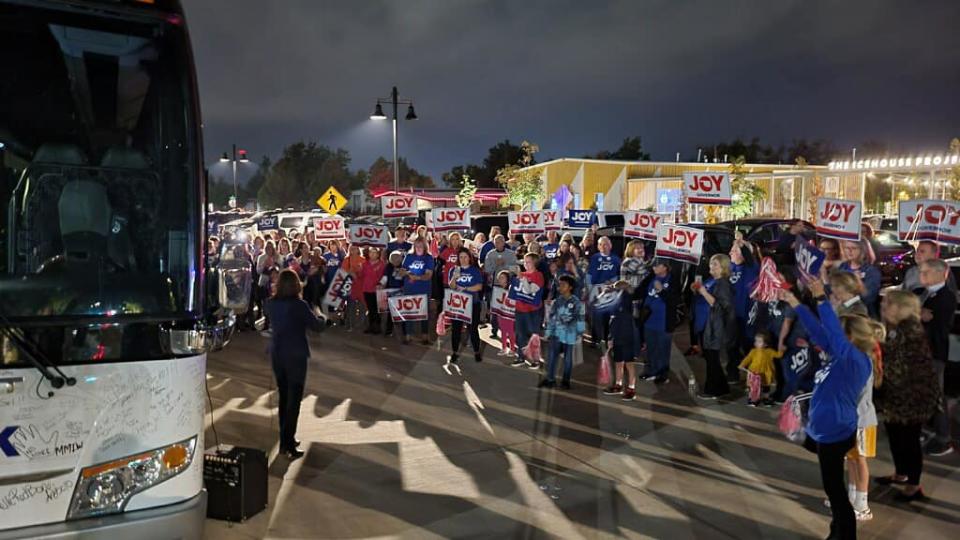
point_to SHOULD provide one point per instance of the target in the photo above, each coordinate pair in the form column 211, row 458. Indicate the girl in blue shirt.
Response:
column 831, row 430
column 466, row 277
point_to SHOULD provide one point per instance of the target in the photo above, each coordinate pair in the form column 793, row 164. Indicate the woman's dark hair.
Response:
column 747, row 254
column 473, row 261
column 288, row 285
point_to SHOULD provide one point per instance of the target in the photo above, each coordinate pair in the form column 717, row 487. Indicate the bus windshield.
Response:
column 99, row 187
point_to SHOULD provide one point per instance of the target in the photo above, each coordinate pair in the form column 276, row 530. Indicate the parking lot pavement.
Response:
column 397, row 447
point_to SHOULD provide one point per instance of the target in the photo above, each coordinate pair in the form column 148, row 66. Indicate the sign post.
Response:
column 332, row 201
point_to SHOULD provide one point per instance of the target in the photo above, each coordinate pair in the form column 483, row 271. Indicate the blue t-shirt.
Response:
column 417, row 265
column 657, row 304
column 604, row 268
column 742, row 277
column 334, row 260
column 469, row 277
column 550, row 251
column 398, row 246
column 701, row 309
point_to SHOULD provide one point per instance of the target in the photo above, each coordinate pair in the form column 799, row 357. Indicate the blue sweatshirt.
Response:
column 604, row 268
column 838, row 383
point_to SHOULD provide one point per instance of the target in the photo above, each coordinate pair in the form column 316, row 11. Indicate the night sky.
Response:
column 574, row 76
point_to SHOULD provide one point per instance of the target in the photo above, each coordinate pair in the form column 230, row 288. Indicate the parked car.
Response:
column 768, row 233
column 893, row 257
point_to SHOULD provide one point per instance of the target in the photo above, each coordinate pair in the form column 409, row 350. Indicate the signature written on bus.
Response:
column 50, row 489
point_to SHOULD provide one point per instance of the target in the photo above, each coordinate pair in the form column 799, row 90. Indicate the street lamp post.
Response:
column 378, row 115
column 234, row 158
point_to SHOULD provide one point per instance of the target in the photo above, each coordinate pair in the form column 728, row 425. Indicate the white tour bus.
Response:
column 104, row 320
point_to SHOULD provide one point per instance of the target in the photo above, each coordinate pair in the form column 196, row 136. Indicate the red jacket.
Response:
column 369, row 276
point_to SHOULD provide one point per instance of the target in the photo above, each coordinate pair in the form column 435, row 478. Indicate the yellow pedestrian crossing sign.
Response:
column 332, row 201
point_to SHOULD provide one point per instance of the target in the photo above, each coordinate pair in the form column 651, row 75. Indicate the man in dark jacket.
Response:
column 939, row 307
column 659, row 321
column 290, row 318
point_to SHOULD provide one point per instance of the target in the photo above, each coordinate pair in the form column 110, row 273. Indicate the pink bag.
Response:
column 604, row 373
column 792, row 420
column 442, row 323
column 755, row 385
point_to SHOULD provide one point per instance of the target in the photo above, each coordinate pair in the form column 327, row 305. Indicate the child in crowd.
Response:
column 564, row 326
column 759, row 365
column 858, row 471
column 505, row 314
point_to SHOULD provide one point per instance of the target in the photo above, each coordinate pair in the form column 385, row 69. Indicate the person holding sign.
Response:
column 660, row 314
column 417, row 272
column 604, row 270
column 466, row 277
column 719, row 333
column 527, row 291
column 858, row 258
column 399, row 242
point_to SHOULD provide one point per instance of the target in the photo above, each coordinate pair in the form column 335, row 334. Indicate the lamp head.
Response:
column 378, row 113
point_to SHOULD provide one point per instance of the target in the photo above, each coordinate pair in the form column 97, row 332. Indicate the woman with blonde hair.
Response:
column 909, row 393
column 858, row 258
column 845, row 291
column 719, row 333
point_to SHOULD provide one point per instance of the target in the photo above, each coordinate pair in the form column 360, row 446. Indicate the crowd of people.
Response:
column 827, row 338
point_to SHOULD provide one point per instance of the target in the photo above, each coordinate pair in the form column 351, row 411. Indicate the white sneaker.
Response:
column 503, row 352
column 864, row 515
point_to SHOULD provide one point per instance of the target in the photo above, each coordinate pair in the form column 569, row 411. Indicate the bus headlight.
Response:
column 107, row 488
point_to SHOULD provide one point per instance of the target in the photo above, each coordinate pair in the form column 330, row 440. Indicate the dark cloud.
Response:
column 575, row 76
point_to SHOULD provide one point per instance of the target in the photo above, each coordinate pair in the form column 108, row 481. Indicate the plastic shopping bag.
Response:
column 604, row 373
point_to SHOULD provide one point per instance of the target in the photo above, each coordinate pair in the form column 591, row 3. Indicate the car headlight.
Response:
column 106, row 488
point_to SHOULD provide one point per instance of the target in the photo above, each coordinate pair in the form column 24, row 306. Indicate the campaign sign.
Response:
column 329, row 228
column 408, row 307
column 449, row 219
column 707, row 188
column 552, row 220
column 369, row 235
column 838, row 218
column 642, row 225
column 929, row 220
column 458, row 305
column 268, row 223
column 581, row 219
column 338, row 291
column 809, row 259
column 529, row 221
column 683, row 244
column 394, row 206
column 502, row 305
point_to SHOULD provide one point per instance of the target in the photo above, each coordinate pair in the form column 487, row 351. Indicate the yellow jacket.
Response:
column 760, row 362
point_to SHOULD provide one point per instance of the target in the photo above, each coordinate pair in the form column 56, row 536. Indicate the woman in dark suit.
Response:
column 290, row 317
column 721, row 331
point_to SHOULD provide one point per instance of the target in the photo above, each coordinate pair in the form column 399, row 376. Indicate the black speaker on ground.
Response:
column 236, row 482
